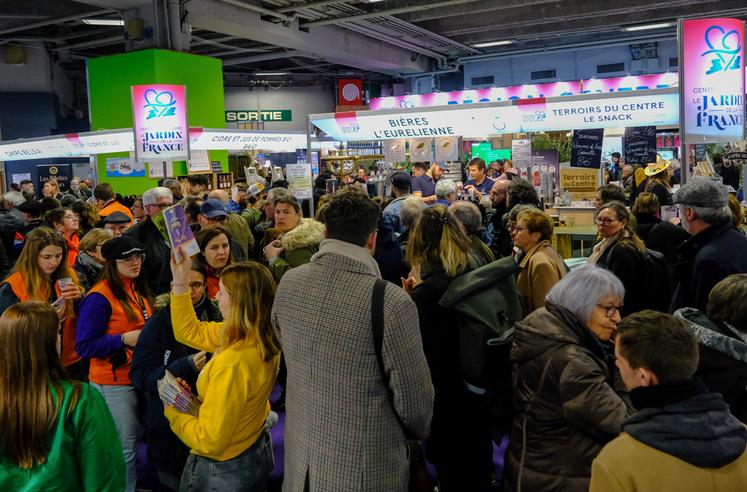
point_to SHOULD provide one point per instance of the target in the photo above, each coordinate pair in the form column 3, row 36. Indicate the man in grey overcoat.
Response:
column 343, row 431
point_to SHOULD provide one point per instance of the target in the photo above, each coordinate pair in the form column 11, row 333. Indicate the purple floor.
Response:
column 148, row 480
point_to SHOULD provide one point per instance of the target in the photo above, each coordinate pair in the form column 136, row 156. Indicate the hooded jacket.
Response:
column 723, row 359
column 299, row 244
column 569, row 399
column 689, row 443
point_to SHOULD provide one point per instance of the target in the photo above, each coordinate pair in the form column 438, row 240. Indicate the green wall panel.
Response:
column 109, row 81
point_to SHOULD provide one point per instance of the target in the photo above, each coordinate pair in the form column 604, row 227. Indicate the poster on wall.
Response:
column 580, row 183
column 62, row 173
column 521, row 152
column 18, row 177
column 123, row 167
column 421, row 150
column 640, row 145
column 159, row 113
column 299, row 180
column 587, row 148
column 394, row 151
column 157, row 169
column 712, row 80
column 447, row 149
column 199, row 163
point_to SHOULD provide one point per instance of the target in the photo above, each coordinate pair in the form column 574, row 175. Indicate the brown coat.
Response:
column 627, row 464
column 541, row 268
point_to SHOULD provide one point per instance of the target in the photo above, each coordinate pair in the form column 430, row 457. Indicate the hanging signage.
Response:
column 528, row 91
column 199, row 163
column 394, row 151
column 299, row 180
column 245, row 115
column 587, row 148
column 480, row 121
column 160, row 122
column 712, row 79
column 640, row 145
column 582, row 184
column 210, row 139
column 521, row 152
column 447, row 149
column 421, row 150
column 349, row 92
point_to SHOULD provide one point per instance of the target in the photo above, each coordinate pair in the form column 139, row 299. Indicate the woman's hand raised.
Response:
column 180, row 272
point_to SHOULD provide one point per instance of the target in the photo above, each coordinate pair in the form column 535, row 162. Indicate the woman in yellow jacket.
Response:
column 230, row 445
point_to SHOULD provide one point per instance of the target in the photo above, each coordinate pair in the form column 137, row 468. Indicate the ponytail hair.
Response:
column 439, row 239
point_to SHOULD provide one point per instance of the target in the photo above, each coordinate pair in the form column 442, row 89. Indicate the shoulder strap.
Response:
column 377, row 327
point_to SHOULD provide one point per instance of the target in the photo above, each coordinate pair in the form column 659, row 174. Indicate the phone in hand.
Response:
column 58, row 303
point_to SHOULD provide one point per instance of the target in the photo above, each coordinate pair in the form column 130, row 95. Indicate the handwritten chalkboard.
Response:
column 587, row 148
column 640, row 145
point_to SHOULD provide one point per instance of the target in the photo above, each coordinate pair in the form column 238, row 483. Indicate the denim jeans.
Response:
column 248, row 472
column 122, row 403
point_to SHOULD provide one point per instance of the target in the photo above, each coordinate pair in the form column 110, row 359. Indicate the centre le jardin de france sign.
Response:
column 245, row 115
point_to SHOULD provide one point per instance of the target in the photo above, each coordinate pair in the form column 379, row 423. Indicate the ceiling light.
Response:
column 647, row 26
column 104, row 22
column 493, row 43
column 270, row 74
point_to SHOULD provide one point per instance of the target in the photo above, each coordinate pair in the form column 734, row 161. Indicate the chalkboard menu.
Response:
column 700, row 152
column 587, row 148
column 640, row 145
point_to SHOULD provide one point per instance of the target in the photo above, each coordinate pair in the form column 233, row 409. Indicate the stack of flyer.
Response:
column 174, row 394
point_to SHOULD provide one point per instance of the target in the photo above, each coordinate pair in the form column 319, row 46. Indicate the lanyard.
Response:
column 138, row 299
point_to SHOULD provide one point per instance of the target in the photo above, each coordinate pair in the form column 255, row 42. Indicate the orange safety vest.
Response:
column 72, row 249
column 101, row 371
column 68, row 354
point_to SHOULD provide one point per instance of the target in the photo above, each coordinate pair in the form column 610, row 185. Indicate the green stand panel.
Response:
column 109, row 82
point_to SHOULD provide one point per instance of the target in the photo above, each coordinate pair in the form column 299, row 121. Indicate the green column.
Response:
column 109, row 82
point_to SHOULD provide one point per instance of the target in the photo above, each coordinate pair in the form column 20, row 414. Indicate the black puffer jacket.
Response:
column 563, row 420
column 723, row 359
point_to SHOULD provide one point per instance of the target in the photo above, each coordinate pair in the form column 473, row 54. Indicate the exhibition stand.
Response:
column 443, row 133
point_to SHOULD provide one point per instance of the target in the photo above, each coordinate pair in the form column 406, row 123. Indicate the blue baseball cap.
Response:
column 212, row 208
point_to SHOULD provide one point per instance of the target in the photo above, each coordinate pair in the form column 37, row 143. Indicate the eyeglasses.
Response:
column 518, row 229
column 159, row 205
column 609, row 311
column 511, row 227
column 606, row 220
column 136, row 258
column 221, row 219
column 196, row 285
column 70, row 217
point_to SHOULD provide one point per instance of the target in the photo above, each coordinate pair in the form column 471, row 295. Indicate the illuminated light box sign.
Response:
column 483, row 120
column 713, row 80
column 528, row 91
column 122, row 140
column 244, row 115
column 271, row 142
column 160, row 118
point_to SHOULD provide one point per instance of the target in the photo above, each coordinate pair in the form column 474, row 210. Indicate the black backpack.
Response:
column 658, row 279
column 487, row 303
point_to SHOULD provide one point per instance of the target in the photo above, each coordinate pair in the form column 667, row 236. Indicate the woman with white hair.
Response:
column 569, row 397
column 446, row 192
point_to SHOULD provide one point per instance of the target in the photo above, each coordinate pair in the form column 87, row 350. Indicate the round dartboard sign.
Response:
column 350, row 92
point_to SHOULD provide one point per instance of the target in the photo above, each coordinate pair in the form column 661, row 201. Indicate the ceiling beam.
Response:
column 392, row 11
column 310, row 5
column 327, row 43
column 56, row 20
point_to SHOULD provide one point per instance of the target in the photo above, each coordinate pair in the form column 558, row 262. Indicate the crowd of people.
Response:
column 626, row 373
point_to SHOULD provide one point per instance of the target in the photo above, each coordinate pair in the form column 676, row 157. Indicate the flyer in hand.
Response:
column 175, row 395
column 180, row 235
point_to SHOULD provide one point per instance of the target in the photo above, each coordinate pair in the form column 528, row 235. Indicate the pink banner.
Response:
column 160, row 122
column 529, row 91
column 713, row 80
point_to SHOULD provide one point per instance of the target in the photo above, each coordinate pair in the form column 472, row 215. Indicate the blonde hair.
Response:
column 30, row 377
column 93, row 238
column 439, row 238
column 252, row 290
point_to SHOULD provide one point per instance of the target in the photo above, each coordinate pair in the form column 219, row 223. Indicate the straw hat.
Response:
column 660, row 166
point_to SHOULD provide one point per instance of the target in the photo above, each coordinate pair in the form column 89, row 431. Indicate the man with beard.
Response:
column 239, row 198
column 424, row 181
column 497, row 232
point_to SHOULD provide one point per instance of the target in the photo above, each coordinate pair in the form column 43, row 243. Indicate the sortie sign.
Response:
column 246, row 115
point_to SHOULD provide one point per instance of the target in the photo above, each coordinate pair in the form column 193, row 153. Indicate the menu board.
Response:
column 521, row 150
column 587, row 148
column 700, row 152
column 640, row 145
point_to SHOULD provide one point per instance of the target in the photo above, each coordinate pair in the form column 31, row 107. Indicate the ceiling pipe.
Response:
column 259, row 10
column 90, row 44
column 260, row 58
column 58, row 20
column 310, row 5
column 379, row 13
